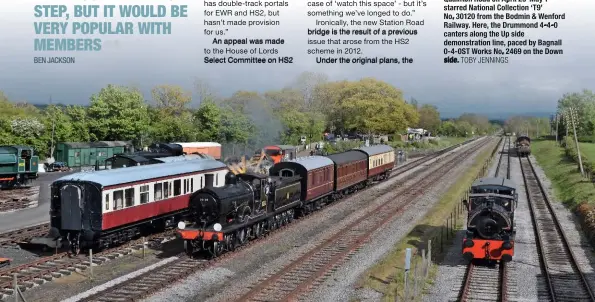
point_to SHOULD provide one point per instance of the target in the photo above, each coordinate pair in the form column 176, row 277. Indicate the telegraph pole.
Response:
column 578, row 150
column 556, row 127
column 53, row 131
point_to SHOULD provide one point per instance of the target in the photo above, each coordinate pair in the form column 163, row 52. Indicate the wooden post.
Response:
column 91, row 264
column 407, row 268
column 16, row 288
column 578, row 149
column 144, row 247
column 429, row 259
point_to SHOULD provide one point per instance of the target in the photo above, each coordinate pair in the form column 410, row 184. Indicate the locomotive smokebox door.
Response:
column 71, row 201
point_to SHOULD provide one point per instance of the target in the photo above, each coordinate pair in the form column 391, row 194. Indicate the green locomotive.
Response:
column 18, row 166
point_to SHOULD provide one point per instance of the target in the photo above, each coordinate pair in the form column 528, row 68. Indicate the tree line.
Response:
column 310, row 106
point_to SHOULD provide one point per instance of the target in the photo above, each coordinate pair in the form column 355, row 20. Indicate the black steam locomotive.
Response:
column 261, row 201
column 490, row 221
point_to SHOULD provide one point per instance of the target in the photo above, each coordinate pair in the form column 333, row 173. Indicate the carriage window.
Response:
column 157, row 194
column 191, row 184
column 77, row 154
column 118, row 198
column 217, row 179
column 106, row 202
column 144, row 194
column 177, row 187
column 165, row 189
column 129, row 196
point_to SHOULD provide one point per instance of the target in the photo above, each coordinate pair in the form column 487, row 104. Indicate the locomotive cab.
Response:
column 490, row 221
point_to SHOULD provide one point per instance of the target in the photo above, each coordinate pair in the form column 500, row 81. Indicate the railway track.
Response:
column 155, row 280
column 488, row 281
column 47, row 268
column 485, row 283
column 23, row 235
column 504, row 160
column 18, row 198
column 304, row 274
column 564, row 279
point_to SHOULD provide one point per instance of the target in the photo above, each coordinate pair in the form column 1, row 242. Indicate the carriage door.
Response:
column 209, row 179
column 71, row 198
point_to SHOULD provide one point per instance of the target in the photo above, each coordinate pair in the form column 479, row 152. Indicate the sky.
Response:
column 527, row 84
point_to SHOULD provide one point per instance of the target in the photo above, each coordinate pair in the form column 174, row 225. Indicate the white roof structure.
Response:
column 199, row 144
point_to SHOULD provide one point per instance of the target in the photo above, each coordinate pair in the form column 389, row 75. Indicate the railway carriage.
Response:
column 381, row 161
column 350, row 171
column 316, row 172
column 106, row 207
column 490, row 223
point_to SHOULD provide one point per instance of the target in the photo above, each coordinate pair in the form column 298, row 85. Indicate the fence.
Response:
column 422, row 258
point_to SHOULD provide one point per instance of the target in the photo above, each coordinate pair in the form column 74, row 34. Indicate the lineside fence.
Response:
column 419, row 261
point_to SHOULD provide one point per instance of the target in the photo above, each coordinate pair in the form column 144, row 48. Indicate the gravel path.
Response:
column 246, row 267
column 581, row 248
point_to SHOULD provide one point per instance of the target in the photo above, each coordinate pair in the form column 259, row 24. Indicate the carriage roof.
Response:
column 376, row 149
column 146, row 172
column 494, row 181
column 310, row 162
column 348, row 156
column 171, row 159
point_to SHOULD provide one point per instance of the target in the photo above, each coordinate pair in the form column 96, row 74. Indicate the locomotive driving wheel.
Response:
column 216, row 249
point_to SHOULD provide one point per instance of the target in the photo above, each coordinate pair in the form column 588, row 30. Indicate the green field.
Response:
column 568, row 185
column 588, row 150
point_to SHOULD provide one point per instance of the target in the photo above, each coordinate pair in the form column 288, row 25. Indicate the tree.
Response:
column 306, row 84
column 171, row 99
column 79, row 122
column 429, row 118
column 117, row 113
column 208, row 121
column 204, row 91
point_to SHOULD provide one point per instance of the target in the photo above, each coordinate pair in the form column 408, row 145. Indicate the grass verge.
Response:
column 588, row 150
column 568, row 185
column 387, row 276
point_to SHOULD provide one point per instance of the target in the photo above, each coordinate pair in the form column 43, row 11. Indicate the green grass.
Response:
column 387, row 276
column 568, row 185
column 588, row 150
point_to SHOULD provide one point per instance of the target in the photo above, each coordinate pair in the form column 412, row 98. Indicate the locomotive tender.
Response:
column 249, row 205
column 100, row 208
column 490, row 221
column 523, row 146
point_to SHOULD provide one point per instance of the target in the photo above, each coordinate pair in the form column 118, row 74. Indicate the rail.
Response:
column 558, row 261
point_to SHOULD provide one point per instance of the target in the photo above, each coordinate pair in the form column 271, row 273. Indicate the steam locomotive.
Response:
column 249, row 205
column 490, row 222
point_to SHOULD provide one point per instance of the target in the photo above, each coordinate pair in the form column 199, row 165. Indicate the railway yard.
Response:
column 322, row 256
